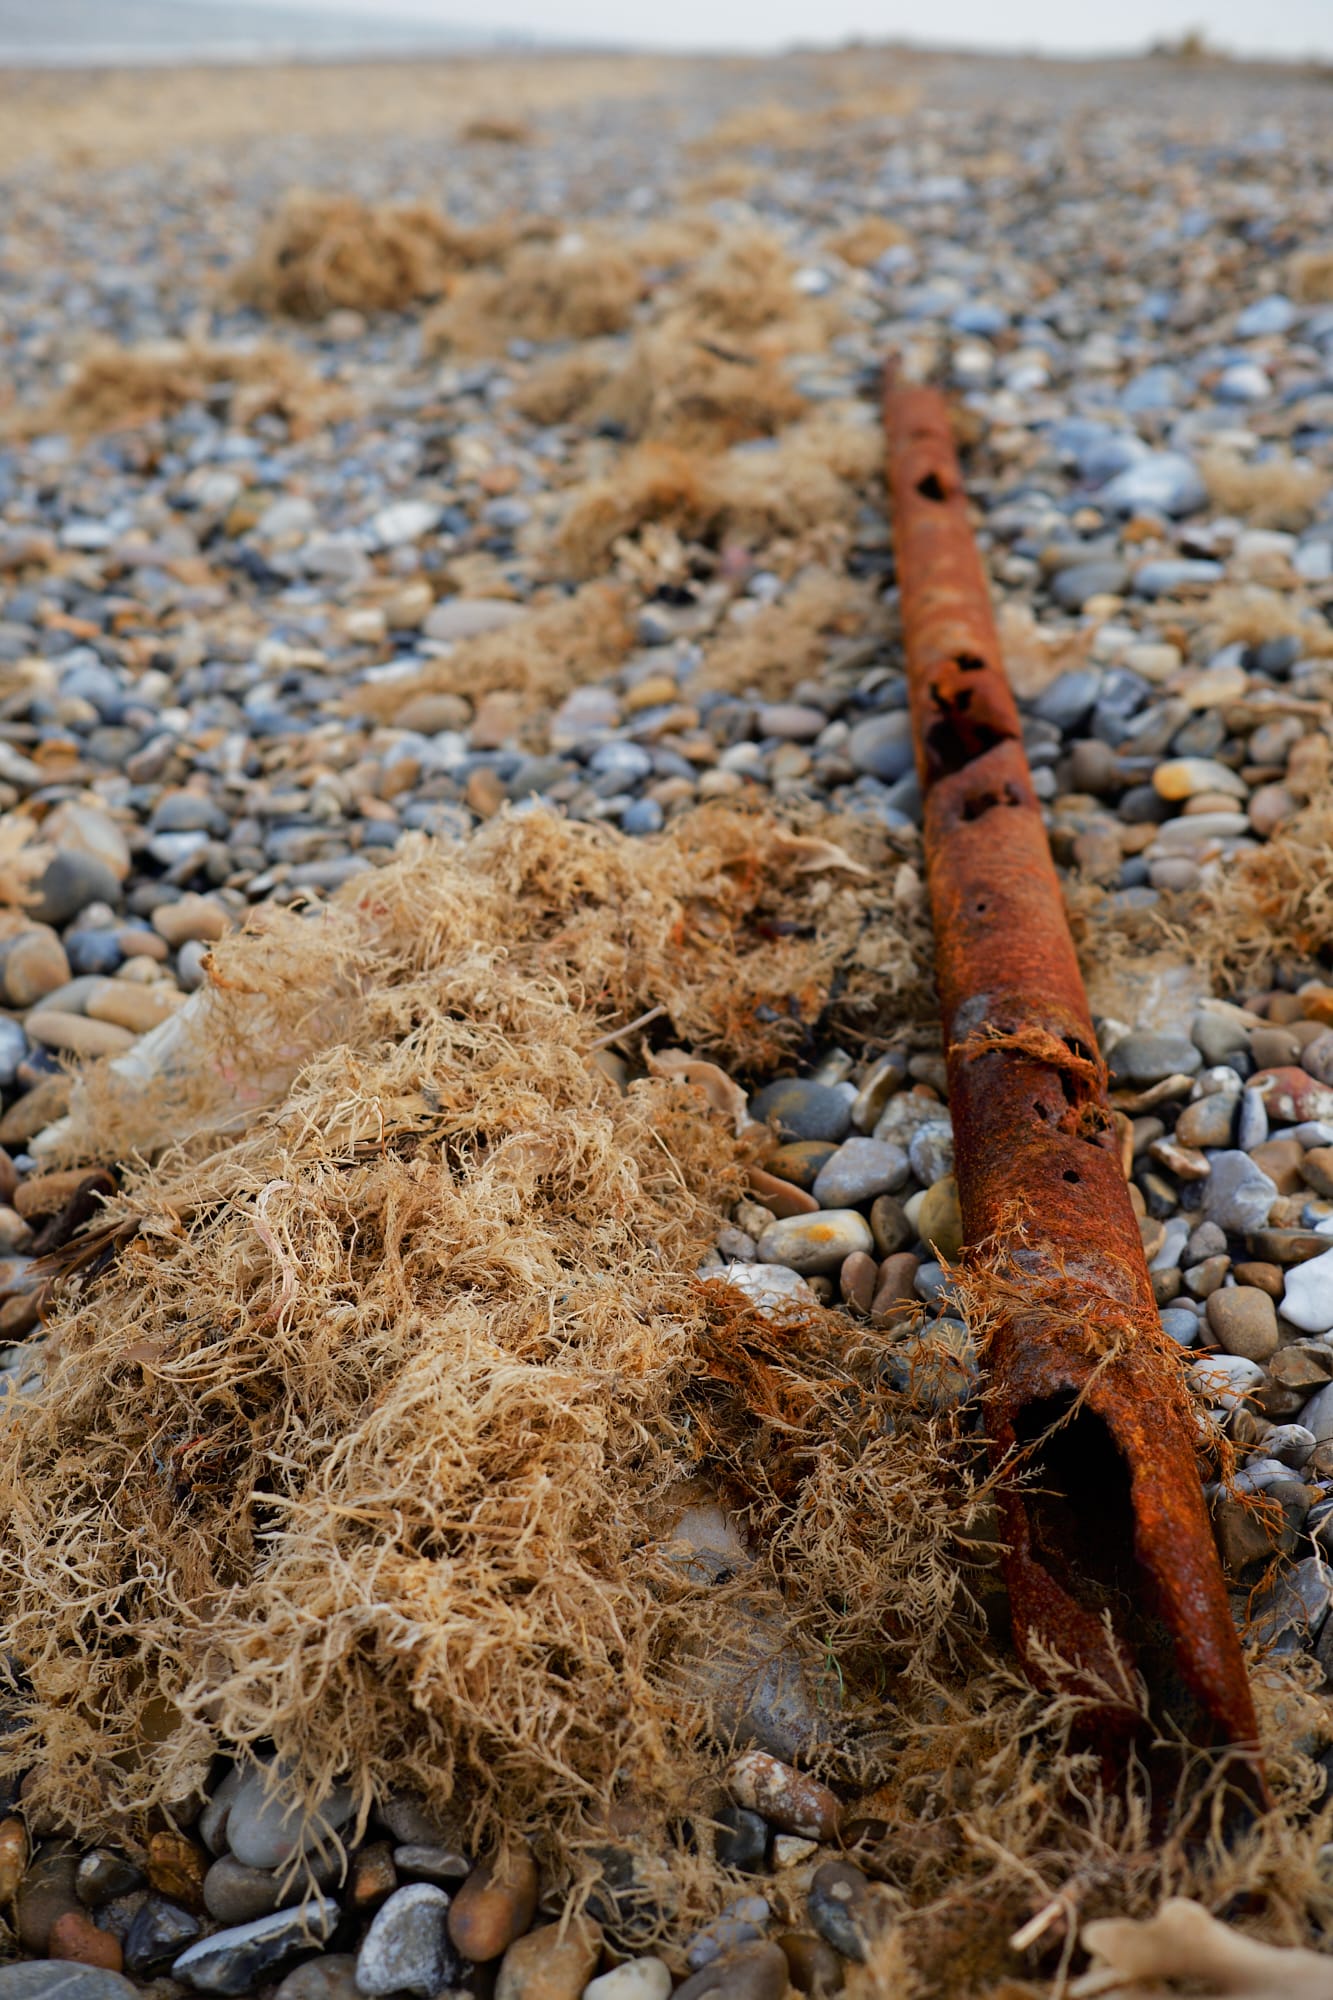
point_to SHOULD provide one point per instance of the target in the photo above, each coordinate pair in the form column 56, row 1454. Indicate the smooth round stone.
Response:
column 14, row 1048
column 266, row 1829
column 332, row 1976
column 1243, row 1321
column 1237, row 1194
column 636, row 1979
column 1143, row 1058
column 235, row 1960
column 814, row 1245
column 1307, row 1297
column 754, row 1972
column 1226, row 1378
column 1070, row 698
column 858, row 1171
column 494, row 1907
column 802, row 1110
column 235, row 1894
column 407, row 1948
column 468, row 617
column 545, row 1965
column 32, row 965
column 643, row 816
column 881, row 746
column 68, row 883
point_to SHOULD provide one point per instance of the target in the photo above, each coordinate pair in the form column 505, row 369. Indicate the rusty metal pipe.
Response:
column 1111, row 1565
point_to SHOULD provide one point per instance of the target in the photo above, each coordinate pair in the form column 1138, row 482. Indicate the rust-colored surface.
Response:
column 1111, row 1565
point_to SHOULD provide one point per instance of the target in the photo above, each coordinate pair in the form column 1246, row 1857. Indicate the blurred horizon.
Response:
column 166, row 30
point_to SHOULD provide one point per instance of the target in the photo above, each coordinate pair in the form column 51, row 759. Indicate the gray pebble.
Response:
column 860, row 1170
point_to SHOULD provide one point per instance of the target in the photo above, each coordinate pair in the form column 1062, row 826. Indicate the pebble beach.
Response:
column 590, row 522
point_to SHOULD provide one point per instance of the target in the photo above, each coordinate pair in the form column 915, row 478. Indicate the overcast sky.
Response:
column 1280, row 27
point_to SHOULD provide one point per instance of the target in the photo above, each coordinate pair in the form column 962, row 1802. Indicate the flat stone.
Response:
column 815, row 1244
column 54, row 1979
column 494, row 1906
column 407, row 1948
column 545, row 1965
column 1237, row 1195
column 103, row 1873
column 1186, row 777
column 858, row 1171
column 786, row 1798
column 801, row 1161
column 424, row 1861
column 1208, row 1121
column 1162, row 482
column 1143, row 1058
column 191, row 919
column 801, row 1110
column 468, row 617
column 780, row 1196
column 235, row 1960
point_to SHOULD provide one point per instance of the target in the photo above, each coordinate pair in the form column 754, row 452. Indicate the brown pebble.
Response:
column 36, row 1109
column 800, row 1161
column 76, row 1937
column 13, row 1857
column 786, row 1798
column 190, row 919
column 484, row 792
column 1243, row 1321
column 783, row 1197
column 373, row 1876
column 857, row 1281
column 1267, row 1277
column 45, row 1893
column 546, row 1966
column 812, row 1966
column 494, row 1906
column 176, row 1869
column 889, row 1225
column 896, row 1288
column 1281, row 1160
